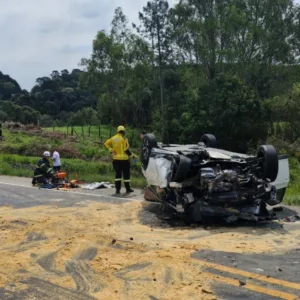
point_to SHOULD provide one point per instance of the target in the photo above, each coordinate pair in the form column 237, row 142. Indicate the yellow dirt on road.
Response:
column 108, row 252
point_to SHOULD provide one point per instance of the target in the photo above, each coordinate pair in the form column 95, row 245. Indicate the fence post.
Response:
column 72, row 130
column 131, row 141
column 110, row 133
column 99, row 131
column 75, row 131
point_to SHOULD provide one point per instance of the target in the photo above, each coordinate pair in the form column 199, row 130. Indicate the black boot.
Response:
column 128, row 188
column 118, row 186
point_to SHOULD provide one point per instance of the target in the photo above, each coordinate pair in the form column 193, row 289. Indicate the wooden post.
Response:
column 131, row 140
column 75, row 131
column 99, row 131
column 72, row 130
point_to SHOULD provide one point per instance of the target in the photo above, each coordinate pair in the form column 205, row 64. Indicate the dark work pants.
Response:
column 55, row 169
column 42, row 179
column 122, row 168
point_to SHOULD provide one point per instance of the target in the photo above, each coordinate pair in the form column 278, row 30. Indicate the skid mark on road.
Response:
column 87, row 254
column 86, row 247
column 126, row 272
column 86, row 279
column 40, row 289
column 48, row 264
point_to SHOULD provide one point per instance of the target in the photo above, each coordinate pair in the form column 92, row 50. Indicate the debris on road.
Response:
column 111, row 248
column 98, row 185
column 206, row 291
column 290, row 219
column 242, row 283
column 258, row 270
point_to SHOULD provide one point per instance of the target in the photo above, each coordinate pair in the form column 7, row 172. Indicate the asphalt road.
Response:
column 13, row 190
column 273, row 275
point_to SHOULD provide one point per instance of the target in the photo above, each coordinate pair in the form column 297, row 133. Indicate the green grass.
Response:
column 92, row 132
column 19, row 152
column 17, row 165
column 292, row 195
column 87, row 157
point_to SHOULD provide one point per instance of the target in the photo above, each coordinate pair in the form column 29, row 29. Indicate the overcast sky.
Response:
column 38, row 36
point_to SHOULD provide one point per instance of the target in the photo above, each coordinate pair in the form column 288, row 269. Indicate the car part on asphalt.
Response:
column 199, row 181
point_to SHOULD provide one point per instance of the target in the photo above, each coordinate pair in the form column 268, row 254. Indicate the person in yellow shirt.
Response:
column 119, row 147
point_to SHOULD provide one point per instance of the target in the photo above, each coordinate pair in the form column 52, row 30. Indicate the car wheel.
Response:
column 269, row 162
column 149, row 142
column 184, row 167
column 209, row 140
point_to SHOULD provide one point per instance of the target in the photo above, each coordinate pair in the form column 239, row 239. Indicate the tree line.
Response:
column 227, row 67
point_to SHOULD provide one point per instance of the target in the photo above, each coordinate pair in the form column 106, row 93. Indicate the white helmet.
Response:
column 46, row 154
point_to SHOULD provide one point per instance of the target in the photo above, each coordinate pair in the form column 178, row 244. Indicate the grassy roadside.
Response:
column 87, row 157
column 17, row 165
column 99, row 133
column 292, row 195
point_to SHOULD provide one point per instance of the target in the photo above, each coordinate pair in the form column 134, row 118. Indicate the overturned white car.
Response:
column 200, row 181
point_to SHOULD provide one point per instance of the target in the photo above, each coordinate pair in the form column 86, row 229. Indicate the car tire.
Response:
column 184, row 167
column 149, row 142
column 269, row 164
column 209, row 140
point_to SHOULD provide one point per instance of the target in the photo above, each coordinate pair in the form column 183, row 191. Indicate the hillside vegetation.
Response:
column 20, row 150
column 87, row 157
column 230, row 68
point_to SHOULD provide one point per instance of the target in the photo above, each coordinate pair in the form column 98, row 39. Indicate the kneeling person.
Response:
column 43, row 171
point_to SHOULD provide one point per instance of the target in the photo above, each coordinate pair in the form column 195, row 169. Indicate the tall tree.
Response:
column 155, row 27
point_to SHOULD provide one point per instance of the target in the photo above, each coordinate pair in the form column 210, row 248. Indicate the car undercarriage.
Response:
column 199, row 181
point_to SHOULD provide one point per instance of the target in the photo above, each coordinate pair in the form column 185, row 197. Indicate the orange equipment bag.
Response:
column 61, row 175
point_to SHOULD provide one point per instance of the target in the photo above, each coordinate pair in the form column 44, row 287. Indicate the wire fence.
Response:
column 99, row 133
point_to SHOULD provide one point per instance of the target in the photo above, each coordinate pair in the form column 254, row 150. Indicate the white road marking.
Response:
column 78, row 193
